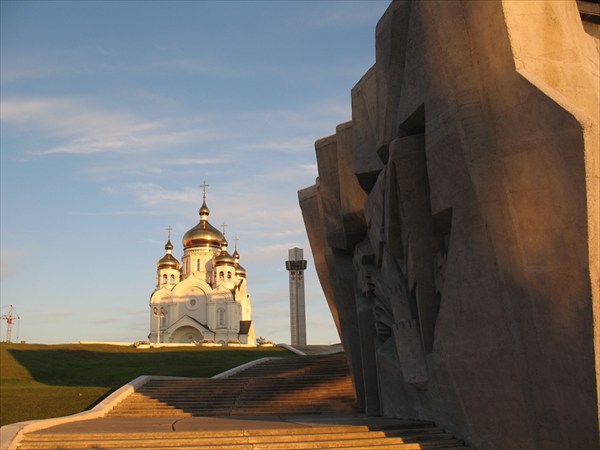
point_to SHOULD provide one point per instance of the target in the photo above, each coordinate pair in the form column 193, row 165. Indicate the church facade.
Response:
column 203, row 298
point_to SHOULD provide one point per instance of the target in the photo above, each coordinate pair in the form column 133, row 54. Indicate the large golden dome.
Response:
column 202, row 235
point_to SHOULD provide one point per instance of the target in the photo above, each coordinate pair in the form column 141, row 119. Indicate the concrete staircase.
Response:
column 285, row 404
column 308, row 385
column 328, row 437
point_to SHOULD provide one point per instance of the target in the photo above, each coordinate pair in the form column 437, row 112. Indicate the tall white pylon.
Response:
column 296, row 266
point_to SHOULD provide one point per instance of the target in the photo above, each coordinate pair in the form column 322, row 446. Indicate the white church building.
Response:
column 205, row 297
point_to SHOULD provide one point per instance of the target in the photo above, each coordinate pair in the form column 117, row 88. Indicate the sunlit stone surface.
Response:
column 455, row 222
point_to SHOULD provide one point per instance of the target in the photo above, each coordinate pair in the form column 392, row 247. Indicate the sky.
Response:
column 112, row 114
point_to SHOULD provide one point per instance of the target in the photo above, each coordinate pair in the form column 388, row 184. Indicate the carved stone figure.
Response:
column 455, row 222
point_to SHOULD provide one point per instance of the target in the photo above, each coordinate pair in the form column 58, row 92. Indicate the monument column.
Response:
column 296, row 266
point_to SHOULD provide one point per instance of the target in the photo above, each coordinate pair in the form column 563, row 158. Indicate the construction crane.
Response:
column 10, row 317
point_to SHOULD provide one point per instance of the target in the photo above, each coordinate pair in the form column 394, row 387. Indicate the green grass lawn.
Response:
column 42, row 381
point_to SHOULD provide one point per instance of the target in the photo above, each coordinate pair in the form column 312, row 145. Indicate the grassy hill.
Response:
column 42, row 381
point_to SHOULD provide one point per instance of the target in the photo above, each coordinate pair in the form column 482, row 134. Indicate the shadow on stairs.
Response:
column 298, row 403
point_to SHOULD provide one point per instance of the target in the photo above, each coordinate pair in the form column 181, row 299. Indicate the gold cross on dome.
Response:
column 224, row 225
column 169, row 229
column 236, row 239
column 204, row 186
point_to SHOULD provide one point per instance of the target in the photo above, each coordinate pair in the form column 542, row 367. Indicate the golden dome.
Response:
column 204, row 209
column 168, row 261
column 224, row 258
column 202, row 235
column 240, row 271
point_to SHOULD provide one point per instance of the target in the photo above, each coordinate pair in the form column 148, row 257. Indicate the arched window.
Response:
column 198, row 265
column 229, row 275
column 164, row 278
column 221, row 318
column 221, row 275
column 172, row 279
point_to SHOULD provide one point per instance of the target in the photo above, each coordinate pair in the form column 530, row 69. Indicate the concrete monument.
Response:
column 455, row 222
column 295, row 265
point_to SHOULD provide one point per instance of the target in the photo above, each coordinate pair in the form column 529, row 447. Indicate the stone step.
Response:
column 386, row 443
column 314, row 385
column 409, row 428
column 304, row 438
column 383, row 443
column 293, row 396
column 240, row 400
column 292, row 388
column 232, row 412
column 291, row 409
column 283, row 436
column 242, row 404
column 300, row 396
column 296, row 387
column 275, row 390
column 243, row 382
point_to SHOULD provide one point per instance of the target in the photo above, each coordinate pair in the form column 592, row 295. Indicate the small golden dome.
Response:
column 240, row 271
column 168, row 262
column 224, row 259
column 204, row 211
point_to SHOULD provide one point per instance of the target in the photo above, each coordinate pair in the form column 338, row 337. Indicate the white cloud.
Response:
column 152, row 194
column 85, row 128
column 103, row 171
column 117, row 213
column 78, row 127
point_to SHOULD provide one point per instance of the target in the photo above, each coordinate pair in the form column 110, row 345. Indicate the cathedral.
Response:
column 204, row 298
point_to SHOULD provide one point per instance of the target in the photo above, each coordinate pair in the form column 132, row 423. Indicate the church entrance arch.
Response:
column 186, row 335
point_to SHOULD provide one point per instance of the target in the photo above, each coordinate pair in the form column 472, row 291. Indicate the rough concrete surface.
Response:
column 455, row 223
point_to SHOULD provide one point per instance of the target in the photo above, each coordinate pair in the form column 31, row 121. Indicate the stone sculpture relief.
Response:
column 455, row 223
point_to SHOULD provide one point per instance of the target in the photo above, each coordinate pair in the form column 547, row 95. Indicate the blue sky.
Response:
column 112, row 115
